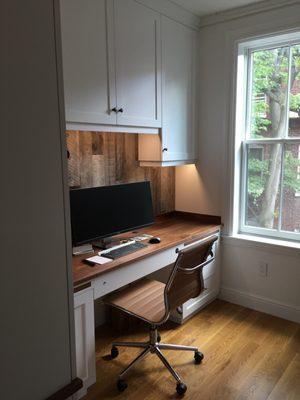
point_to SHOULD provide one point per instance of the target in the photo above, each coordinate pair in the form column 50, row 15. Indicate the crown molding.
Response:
column 173, row 11
column 244, row 11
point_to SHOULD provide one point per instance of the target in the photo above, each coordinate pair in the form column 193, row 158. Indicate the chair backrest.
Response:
column 186, row 279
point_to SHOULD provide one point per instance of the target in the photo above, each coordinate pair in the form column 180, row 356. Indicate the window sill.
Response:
column 264, row 244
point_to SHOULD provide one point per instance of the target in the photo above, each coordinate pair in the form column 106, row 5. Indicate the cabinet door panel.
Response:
column 178, row 90
column 138, row 64
column 85, row 338
column 88, row 61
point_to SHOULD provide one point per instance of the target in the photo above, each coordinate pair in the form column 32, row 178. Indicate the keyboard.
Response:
column 122, row 251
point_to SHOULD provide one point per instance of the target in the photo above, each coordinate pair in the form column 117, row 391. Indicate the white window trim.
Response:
column 297, row 194
column 242, row 123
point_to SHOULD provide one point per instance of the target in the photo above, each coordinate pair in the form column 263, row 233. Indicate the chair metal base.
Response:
column 153, row 346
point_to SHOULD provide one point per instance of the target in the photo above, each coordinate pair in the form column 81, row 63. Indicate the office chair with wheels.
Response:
column 152, row 302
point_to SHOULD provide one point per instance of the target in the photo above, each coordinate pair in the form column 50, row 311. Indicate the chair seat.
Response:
column 144, row 299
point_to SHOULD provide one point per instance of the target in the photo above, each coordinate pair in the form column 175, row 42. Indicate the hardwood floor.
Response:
column 248, row 355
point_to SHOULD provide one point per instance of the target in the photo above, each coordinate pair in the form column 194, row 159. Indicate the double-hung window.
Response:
column 269, row 132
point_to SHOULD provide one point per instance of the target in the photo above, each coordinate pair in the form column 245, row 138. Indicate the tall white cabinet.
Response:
column 177, row 143
column 112, row 63
column 179, row 90
column 37, row 323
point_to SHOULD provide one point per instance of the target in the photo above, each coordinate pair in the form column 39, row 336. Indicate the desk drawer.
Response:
column 120, row 277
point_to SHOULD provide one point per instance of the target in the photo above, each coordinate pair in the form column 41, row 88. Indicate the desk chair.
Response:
column 152, row 302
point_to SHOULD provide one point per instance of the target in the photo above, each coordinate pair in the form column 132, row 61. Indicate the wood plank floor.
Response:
column 248, row 355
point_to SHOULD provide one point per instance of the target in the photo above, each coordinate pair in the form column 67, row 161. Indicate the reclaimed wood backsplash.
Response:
column 99, row 159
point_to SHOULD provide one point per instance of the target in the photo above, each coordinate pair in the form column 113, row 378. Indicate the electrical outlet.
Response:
column 263, row 269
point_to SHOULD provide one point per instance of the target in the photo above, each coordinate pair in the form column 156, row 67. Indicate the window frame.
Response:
column 297, row 194
column 243, row 104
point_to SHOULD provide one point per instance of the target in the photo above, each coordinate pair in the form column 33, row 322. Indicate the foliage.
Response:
column 291, row 172
column 270, row 70
column 258, row 174
column 270, row 77
column 295, row 103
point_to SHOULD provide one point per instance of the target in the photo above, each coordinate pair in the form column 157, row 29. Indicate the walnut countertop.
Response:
column 173, row 229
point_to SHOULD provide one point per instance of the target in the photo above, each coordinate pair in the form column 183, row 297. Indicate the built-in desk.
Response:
column 175, row 230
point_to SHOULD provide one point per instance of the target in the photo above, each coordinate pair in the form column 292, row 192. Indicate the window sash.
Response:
column 249, row 88
column 276, row 233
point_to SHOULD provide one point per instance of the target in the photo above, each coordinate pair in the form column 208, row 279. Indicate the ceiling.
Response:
column 206, row 7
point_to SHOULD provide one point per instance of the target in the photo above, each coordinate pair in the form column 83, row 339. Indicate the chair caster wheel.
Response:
column 121, row 385
column 114, row 352
column 198, row 357
column 181, row 388
column 158, row 338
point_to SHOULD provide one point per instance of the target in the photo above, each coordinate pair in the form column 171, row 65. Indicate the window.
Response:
column 270, row 137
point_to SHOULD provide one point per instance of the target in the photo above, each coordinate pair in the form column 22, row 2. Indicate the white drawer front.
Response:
column 113, row 280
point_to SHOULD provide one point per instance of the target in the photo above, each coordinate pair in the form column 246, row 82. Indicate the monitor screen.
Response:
column 108, row 210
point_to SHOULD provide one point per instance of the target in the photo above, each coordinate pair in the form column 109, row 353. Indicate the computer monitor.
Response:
column 101, row 212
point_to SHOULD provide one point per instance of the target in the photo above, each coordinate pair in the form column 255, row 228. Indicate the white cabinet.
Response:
column 111, row 62
column 177, row 143
column 138, row 64
column 88, row 62
column 85, row 338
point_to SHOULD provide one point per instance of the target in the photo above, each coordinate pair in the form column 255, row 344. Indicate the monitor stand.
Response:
column 107, row 243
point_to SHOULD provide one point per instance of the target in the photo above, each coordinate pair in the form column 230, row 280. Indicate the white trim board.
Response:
column 77, row 126
column 244, row 11
column 263, row 244
column 260, row 303
column 173, row 11
column 166, row 163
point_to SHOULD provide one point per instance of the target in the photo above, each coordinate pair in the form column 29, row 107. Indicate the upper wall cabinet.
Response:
column 177, row 143
column 111, row 62
column 138, row 64
column 89, row 78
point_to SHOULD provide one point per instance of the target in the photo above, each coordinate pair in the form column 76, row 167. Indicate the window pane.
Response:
column 291, row 189
column 263, row 185
column 270, row 69
column 294, row 114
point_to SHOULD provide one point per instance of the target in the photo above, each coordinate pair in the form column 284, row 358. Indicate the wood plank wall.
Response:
column 99, row 159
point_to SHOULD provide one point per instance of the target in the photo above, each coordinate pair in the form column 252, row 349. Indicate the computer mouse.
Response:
column 154, row 240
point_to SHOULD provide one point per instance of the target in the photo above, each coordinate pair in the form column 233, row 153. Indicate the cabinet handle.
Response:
column 114, row 109
column 165, row 149
column 120, row 110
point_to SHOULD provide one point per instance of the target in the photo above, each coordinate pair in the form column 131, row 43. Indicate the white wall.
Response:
column 208, row 185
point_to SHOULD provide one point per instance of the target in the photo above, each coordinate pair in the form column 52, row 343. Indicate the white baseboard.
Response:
column 259, row 303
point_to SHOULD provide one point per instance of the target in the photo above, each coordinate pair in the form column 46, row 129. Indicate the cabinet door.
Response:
column 138, row 64
column 88, row 61
column 85, row 338
column 178, row 91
